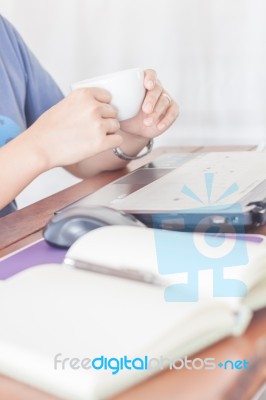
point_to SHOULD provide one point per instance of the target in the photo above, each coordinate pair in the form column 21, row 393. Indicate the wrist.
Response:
column 133, row 147
column 36, row 150
column 132, row 144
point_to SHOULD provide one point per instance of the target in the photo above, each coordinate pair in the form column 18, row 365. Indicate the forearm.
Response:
column 107, row 160
column 20, row 163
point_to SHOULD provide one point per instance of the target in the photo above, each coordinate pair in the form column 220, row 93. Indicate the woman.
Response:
column 40, row 130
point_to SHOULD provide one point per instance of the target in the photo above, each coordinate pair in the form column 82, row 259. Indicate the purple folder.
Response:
column 36, row 254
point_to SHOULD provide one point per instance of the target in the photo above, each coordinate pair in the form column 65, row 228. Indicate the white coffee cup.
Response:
column 126, row 87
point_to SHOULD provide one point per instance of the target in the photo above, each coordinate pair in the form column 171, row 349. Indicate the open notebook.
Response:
column 55, row 312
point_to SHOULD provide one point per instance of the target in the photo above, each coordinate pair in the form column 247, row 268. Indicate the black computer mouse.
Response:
column 65, row 228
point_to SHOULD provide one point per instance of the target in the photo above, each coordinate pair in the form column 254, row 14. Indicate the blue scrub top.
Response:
column 26, row 89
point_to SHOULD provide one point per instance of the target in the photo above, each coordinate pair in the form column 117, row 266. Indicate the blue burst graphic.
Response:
column 209, row 179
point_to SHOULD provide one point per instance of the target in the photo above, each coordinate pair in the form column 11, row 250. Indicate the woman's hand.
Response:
column 78, row 127
column 158, row 112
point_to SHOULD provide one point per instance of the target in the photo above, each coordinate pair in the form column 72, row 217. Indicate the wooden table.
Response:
column 25, row 226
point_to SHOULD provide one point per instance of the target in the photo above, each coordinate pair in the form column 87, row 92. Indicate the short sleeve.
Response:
column 41, row 90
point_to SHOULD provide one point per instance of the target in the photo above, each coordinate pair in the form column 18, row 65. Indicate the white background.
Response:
column 209, row 54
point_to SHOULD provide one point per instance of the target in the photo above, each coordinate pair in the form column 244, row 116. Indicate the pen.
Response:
column 121, row 272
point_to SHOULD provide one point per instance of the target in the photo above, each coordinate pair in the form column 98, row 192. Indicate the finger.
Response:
column 108, row 111
column 162, row 106
column 169, row 118
column 100, row 94
column 150, row 79
column 151, row 98
column 111, row 125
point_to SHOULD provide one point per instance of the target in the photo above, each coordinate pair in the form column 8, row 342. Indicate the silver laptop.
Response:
column 191, row 191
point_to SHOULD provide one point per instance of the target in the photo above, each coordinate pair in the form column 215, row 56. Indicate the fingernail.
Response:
column 150, row 84
column 147, row 108
column 148, row 121
column 161, row 127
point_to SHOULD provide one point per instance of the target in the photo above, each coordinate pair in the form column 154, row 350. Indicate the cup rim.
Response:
column 106, row 76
